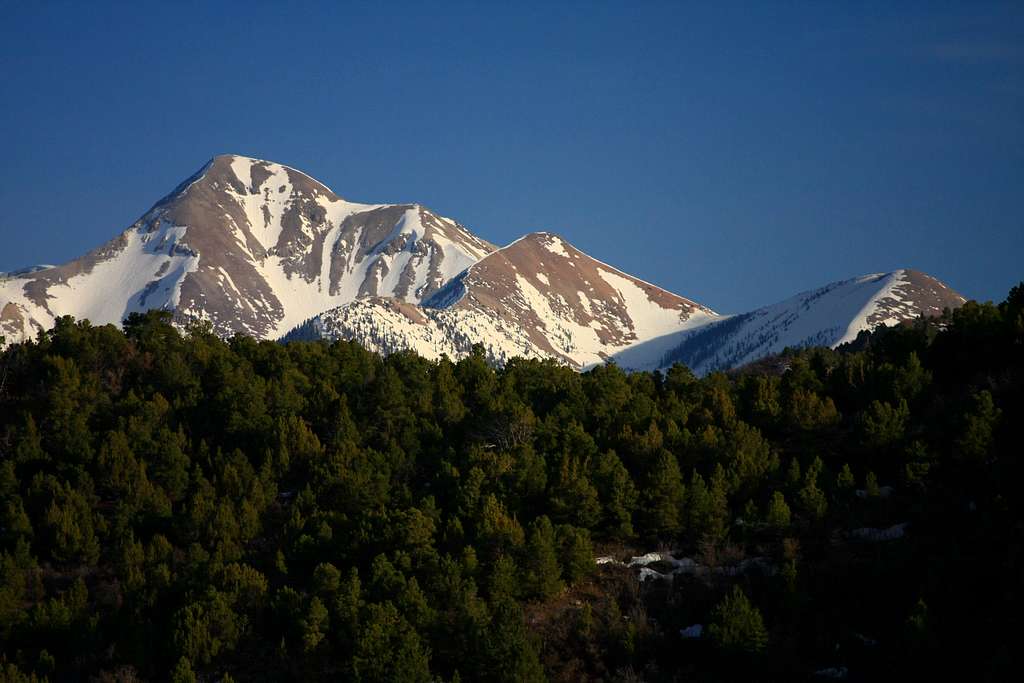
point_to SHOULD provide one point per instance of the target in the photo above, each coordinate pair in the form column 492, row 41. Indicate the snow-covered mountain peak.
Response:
column 541, row 297
column 826, row 316
column 253, row 246
column 260, row 248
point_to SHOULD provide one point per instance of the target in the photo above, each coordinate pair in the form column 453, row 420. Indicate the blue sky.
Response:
column 732, row 153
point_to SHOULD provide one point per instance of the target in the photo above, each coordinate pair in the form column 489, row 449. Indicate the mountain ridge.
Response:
column 252, row 246
column 861, row 303
column 260, row 248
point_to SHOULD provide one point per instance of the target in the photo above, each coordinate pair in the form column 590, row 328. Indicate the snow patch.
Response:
column 690, row 632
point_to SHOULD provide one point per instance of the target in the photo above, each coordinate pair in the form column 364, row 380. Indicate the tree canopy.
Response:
column 178, row 506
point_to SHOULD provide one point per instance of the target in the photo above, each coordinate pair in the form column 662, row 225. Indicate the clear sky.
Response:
column 734, row 154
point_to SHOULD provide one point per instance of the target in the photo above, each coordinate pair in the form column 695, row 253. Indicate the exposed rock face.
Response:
column 539, row 297
column 513, row 304
column 258, row 248
column 828, row 316
column 253, row 247
column 16, row 323
column 568, row 304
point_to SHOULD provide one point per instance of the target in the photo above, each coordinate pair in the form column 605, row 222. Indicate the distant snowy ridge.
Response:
column 538, row 297
column 504, row 303
column 827, row 316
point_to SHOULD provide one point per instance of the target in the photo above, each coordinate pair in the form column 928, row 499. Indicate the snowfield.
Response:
column 827, row 316
column 260, row 248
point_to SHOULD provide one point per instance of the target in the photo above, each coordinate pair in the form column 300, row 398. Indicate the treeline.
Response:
column 178, row 507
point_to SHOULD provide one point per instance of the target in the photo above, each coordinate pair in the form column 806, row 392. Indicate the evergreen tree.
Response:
column 778, row 515
column 811, row 498
column 871, row 488
column 576, row 553
column 498, row 531
column 698, row 506
column 793, row 475
column 542, row 572
column 503, row 582
column 183, row 672
column 718, row 510
column 975, row 439
column 661, row 498
column 737, row 626
column 845, row 481
column 388, row 649
column 883, row 424
column 617, row 493
column 510, row 655
column 573, row 499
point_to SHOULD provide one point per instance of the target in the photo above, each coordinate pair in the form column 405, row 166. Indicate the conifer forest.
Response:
column 179, row 507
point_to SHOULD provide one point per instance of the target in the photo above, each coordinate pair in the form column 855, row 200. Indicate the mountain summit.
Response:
column 538, row 297
column 827, row 316
column 259, row 248
column 253, row 247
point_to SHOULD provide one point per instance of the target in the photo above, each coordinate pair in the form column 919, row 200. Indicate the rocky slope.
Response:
column 827, row 316
column 505, row 303
column 252, row 246
column 538, row 297
column 258, row 248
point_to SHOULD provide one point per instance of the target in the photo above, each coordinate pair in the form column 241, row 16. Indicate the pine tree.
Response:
column 618, row 495
column 314, row 625
column 572, row 497
column 388, row 649
column 919, row 463
column 883, row 424
column 698, row 505
column 576, row 553
column 737, row 626
column 510, row 655
column 448, row 394
column 718, row 517
column 845, row 481
column 347, row 610
column 503, row 582
column 661, row 499
column 543, row 574
column 778, row 516
column 793, row 476
column 871, row 485
column 812, row 499
column 183, row 672
column 975, row 440
column 498, row 531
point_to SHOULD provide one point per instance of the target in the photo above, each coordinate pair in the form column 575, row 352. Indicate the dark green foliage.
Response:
column 737, row 626
column 810, row 496
column 387, row 648
column 576, row 553
column 617, row 493
column 174, row 506
column 509, row 652
column 542, row 571
column 979, row 423
column 661, row 498
column 778, row 515
column 183, row 672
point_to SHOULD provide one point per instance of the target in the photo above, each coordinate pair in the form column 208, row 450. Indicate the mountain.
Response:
column 530, row 300
column 251, row 246
column 827, row 316
column 539, row 297
column 259, row 248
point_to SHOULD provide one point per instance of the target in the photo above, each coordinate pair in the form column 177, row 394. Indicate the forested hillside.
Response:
column 177, row 507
